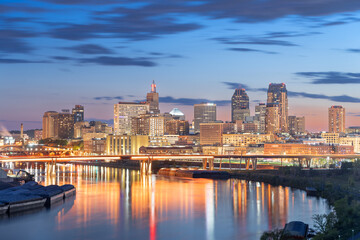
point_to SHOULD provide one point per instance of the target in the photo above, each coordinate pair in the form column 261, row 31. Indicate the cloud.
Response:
column 254, row 41
column 12, row 41
column 234, row 85
column 250, row 50
column 119, row 61
column 192, row 101
column 18, row 61
column 353, row 50
column 89, row 49
column 331, row 77
column 340, row 98
column 108, row 98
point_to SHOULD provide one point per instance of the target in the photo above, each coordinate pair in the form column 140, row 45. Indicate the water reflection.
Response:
column 119, row 203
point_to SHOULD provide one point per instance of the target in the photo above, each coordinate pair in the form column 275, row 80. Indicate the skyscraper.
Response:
column 48, row 124
column 260, row 116
column 153, row 99
column 239, row 105
column 124, row 112
column 204, row 113
column 78, row 112
column 64, row 125
column 336, row 119
column 272, row 124
column 277, row 94
column 296, row 125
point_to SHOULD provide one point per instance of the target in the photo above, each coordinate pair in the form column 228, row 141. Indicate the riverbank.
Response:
column 341, row 187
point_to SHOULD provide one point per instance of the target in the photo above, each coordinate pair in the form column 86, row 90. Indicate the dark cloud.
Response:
column 81, row 2
column 110, row 61
column 89, row 49
column 192, row 101
column 18, row 61
column 341, row 98
column 62, row 58
column 341, row 21
column 12, row 41
column 109, row 98
column 119, row 61
column 353, row 50
column 331, row 77
column 234, row 85
column 250, row 50
column 254, row 41
column 356, row 114
column 134, row 28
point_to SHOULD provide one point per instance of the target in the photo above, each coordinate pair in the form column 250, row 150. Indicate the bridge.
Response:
column 146, row 161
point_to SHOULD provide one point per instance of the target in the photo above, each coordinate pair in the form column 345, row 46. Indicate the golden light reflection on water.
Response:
column 129, row 205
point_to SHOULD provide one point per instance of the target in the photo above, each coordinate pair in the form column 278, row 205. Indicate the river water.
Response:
column 113, row 203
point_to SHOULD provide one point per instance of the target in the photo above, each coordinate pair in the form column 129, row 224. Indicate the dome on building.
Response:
column 176, row 112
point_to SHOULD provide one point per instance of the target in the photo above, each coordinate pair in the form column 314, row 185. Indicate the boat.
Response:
column 20, row 202
column 311, row 191
column 68, row 189
column 4, row 207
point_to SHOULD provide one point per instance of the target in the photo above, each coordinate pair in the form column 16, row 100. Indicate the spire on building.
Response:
column 153, row 87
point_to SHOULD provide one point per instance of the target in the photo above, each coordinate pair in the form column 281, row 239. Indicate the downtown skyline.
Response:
column 55, row 54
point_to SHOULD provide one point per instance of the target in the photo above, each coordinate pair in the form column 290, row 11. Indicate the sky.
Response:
column 58, row 53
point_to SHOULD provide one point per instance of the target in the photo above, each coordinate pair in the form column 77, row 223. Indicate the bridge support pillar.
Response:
column 211, row 163
column 247, row 163
column 205, row 163
column 51, row 170
column 220, row 163
column 254, row 163
column 145, row 166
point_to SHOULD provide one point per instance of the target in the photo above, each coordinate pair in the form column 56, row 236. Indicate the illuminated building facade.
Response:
column 301, row 149
column 296, row 125
column 260, row 116
column 152, row 98
column 336, row 119
column 277, row 94
column 177, row 127
column 78, row 112
column 124, row 112
column 48, row 124
column 241, row 140
column 331, row 138
column 239, row 105
column 204, row 113
column 64, row 125
column 211, row 133
column 272, row 118
column 125, row 144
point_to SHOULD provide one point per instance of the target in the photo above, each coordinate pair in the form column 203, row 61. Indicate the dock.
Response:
column 194, row 173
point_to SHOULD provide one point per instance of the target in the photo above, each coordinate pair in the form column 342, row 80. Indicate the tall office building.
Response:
column 64, row 125
column 48, row 124
column 153, row 99
column 272, row 118
column 296, row 125
column 239, row 105
column 78, row 112
column 336, row 119
column 260, row 116
column 124, row 112
column 277, row 94
column 204, row 113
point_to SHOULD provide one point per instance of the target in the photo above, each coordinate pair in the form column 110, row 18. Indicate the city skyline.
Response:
column 55, row 54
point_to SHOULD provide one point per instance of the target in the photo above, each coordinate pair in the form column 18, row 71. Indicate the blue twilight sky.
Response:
column 58, row 53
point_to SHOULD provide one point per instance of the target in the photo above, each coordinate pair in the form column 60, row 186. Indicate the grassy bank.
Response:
column 341, row 187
